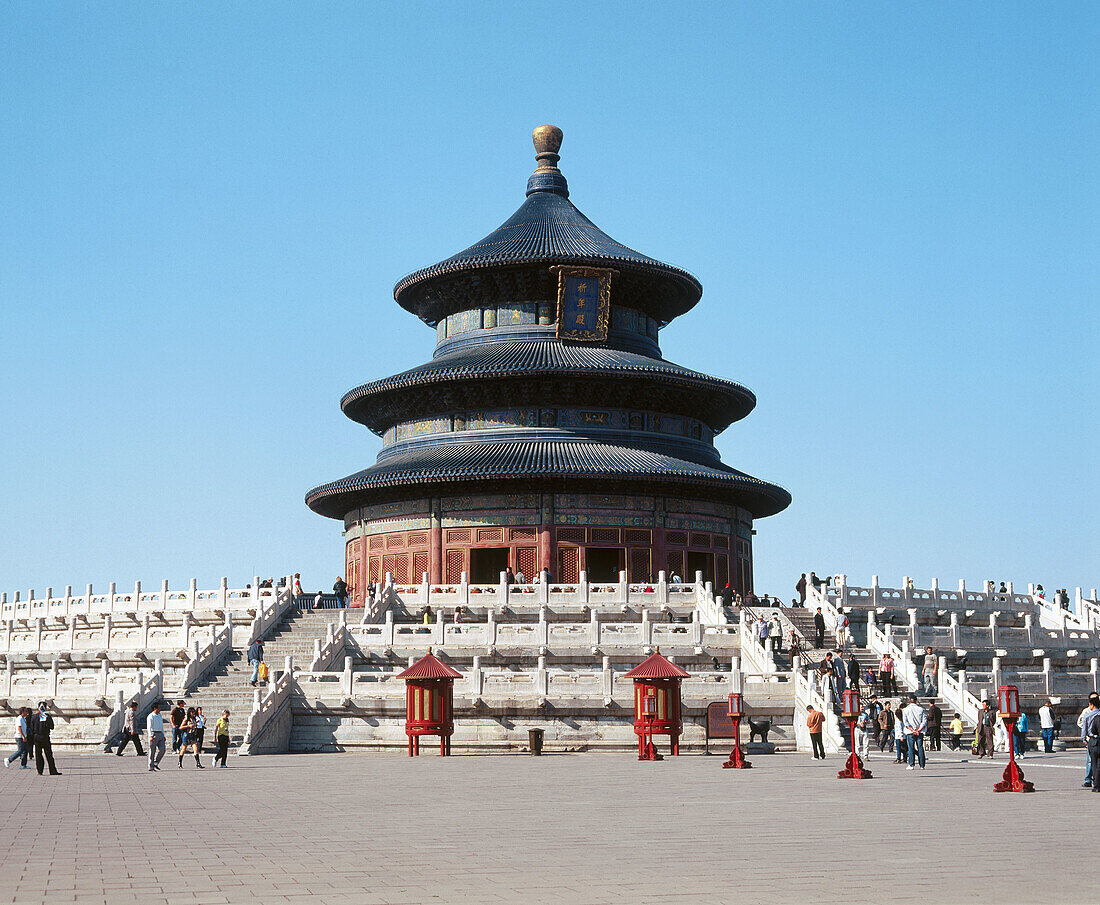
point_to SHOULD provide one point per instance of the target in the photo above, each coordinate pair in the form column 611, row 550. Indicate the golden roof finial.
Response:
column 547, row 141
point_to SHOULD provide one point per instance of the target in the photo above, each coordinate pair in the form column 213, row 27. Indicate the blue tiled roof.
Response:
column 548, row 229
column 500, row 462
column 549, row 358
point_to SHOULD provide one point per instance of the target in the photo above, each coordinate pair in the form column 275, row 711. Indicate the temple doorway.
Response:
column 487, row 563
column 604, row 563
column 700, row 562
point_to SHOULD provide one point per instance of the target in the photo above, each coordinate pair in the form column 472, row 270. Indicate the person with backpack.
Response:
column 841, row 631
column 255, row 658
column 1090, row 735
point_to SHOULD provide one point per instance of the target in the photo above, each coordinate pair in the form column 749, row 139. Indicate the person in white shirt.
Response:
column 22, row 745
column 841, row 630
column 915, row 725
column 155, row 725
column 1046, row 726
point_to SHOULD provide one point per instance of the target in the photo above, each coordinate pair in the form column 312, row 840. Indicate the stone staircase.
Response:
column 228, row 687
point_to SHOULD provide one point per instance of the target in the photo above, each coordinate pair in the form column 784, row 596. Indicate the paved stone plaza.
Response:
column 558, row 829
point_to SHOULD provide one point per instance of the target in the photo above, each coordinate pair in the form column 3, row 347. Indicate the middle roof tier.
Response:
column 546, row 372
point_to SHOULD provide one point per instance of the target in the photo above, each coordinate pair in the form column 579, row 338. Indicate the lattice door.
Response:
column 528, row 558
column 675, row 564
column 420, row 566
column 389, row 564
column 456, row 559
column 721, row 570
column 401, row 568
column 567, row 564
column 639, row 564
column 376, row 568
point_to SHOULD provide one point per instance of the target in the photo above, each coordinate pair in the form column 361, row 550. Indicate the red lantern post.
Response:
column 735, row 712
column 853, row 769
column 429, row 702
column 1013, row 779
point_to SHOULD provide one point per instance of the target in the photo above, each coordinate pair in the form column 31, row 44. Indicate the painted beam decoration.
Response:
column 584, row 303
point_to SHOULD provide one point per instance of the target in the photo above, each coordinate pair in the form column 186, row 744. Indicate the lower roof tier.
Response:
column 552, row 465
column 521, row 373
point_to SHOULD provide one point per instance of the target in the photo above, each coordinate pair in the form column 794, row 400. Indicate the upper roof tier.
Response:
column 513, row 261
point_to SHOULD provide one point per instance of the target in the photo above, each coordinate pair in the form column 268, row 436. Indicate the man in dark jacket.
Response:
column 853, row 672
column 42, row 724
column 935, row 725
column 340, row 589
column 800, row 587
column 255, row 658
column 176, row 718
column 819, row 624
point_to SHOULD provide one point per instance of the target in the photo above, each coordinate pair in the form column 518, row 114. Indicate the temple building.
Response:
column 547, row 431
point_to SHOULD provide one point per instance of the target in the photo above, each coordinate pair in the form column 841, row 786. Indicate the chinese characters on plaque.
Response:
column 584, row 303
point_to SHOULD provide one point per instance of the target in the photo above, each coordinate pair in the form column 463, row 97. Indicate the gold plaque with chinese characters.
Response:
column 584, row 303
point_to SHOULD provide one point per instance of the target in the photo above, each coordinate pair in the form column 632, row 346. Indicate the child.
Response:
column 956, row 729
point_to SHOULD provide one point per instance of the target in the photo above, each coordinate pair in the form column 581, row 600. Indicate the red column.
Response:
column 546, row 541
column 435, row 546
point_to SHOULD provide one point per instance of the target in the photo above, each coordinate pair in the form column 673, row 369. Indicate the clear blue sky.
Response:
column 892, row 210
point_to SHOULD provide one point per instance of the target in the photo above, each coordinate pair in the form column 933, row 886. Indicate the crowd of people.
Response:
column 188, row 728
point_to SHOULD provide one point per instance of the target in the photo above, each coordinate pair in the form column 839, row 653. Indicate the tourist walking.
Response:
column 819, row 626
column 865, row 725
column 1019, row 735
column 853, row 672
column 840, row 676
column 190, row 738
column 928, row 672
column 776, row 632
column 935, row 726
column 956, row 730
column 841, row 631
column 1046, row 725
column 22, row 744
column 176, row 716
column 762, row 631
column 885, row 727
column 900, row 744
column 199, row 731
column 296, row 585
column 985, row 731
column 129, row 731
column 41, row 727
column 815, row 720
column 340, row 589
column 916, row 724
column 255, row 658
column 800, row 587
column 155, row 725
column 886, row 675
column 1090, row 735
column 221, row 737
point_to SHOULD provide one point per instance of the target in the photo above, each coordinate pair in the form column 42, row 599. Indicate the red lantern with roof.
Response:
column 854, row 768
column 429, row 702
column 657, row 679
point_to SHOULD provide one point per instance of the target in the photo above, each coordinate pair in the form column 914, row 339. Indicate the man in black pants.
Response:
column 43, row 726
column 176, row 718
column 129, row 731
column 819, row 624
column 935, row 725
